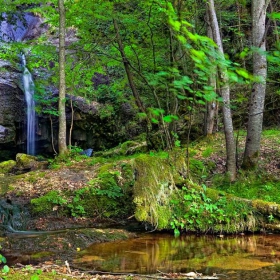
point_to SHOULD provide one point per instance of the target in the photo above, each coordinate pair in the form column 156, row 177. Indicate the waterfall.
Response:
column 28, row 86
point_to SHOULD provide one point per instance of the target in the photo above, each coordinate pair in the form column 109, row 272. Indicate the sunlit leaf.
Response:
column 154, row 120
column 243, row 73
column 170, row 118
column 5, row 269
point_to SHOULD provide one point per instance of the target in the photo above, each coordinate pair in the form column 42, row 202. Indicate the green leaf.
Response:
column 5, row 269
column 154, row 120
column 182, row 39
column 170, row 118
column 275, row 16
column 233, row 76
column 176, row 25
column 181, row 97
column 244, row 53
column 2, row 259
column 156, row 111
column 199, row 54
column 243, row 73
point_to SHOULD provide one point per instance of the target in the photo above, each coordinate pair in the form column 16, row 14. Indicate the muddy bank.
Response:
column 56, row 246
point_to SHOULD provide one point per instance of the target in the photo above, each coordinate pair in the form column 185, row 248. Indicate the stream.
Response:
column 231, row 257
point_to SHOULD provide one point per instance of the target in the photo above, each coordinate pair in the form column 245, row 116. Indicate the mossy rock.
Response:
column 133, row 147
column 7, row 166
column 28, row 162
column 25, row 161
column 155, row 186
column 126, row 148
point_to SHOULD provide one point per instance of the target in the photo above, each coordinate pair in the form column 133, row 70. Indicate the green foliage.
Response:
column 207, row 152
column 5, row 268
column 106, row 184
column 73, row 155
column 60, row 203
column 47, row 202
column 252, row 186
column 108, row 193
column 194, row 210
column 2, row 259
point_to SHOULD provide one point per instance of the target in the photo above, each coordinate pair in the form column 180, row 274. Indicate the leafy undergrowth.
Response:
column 209, row 167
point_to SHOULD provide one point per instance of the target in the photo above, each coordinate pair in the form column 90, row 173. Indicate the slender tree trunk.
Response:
column 62, row 147
column 127, row 69
column 240, row 35
column 211, row 106
column 225, row 93
column 256, row 108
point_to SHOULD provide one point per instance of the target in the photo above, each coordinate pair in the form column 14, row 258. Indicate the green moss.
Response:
column 40, row 255
column 155, row 185
column 46, row 203
column 251, row 185
column 97, row 160
column 7, row 166
column 132, row 147
column 26, row 161
column 105, row 168
column 266, row 207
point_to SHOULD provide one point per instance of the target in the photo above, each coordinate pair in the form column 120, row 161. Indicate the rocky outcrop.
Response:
column 95, row 126
column 12, row 102
column 12, row 112
column 25, row 26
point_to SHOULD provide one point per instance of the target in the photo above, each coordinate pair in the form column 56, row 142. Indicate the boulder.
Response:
column 7, row 166
column 26, row 162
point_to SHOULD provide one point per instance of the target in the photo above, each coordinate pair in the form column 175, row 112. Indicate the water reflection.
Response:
column 207, row 254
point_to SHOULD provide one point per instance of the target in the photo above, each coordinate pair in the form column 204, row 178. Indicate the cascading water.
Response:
column 28, row 86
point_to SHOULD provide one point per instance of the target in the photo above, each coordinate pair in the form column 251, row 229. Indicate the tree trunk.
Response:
column 212, row 105
column 62, row 147
column 127, row 69
column 225, row 93
column 256, row 108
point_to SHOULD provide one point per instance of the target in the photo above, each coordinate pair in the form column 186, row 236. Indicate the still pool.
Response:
column 235, row 257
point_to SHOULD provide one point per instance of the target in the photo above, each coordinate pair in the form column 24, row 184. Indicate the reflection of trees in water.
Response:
column 166, row 253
